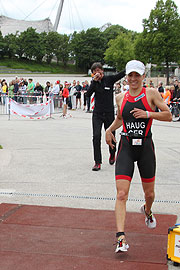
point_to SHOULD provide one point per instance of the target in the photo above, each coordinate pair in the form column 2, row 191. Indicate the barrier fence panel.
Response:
column 27, row 100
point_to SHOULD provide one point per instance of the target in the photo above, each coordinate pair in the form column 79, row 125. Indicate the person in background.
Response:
column 55, row 93
column 103, row 114
column 69, row 99
column 4, row 91
column 11, row 90
column 125, row 86
column 167, row 95
column 161, row 88
column 73, row 95
column 30, row 90
column 46, row 90
column 144, row 83
column 16, row 88
column 176, row 99
column 175, row 87
column 172, row 89
column 23, row 93
column 88, row 99
column 60, row 95
column 78, row 95
column 39, row 91
column 25, row 82
column 65, row 95
column 117, row 88
column 0, row 90
column 151, row 84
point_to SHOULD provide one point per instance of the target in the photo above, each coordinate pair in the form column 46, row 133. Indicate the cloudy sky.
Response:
column 83, row 14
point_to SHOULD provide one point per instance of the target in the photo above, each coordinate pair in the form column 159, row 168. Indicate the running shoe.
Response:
column 96, row 167
column 150, row 219
column 121, row 245
column 112, row 159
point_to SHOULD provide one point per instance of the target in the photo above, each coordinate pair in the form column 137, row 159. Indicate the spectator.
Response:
column 88, row 99
column 23, row 92
column 46, row 90
column 161, row 88
column 175, row 87
column 72, row 94
column 16, row 88
column 60, row 95
column 25, row 82
column 78, row 95
column 151, row 84
column 55, row 93
column 11, row 90
column 144, row 84
column 167, row 95
column 30, row 90
column 172, row 89
column 125, row 86
column 4, row 91
column 38, row 90
column 65, row 95
column 117, row 88
column 69, row 100
column 0, row 90
column 176, row 107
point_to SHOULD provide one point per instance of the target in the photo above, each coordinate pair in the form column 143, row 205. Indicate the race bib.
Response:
column 136, row 141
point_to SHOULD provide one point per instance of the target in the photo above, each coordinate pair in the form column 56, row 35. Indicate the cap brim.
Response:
column 140, row 72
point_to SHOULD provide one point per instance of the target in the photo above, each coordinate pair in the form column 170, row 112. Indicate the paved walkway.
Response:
column 48, row 163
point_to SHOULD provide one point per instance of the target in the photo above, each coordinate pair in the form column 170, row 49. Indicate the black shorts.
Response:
column 78, row 95
column 128, row 154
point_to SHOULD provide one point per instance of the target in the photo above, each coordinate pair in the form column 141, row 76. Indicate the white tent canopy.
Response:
column 11, row 26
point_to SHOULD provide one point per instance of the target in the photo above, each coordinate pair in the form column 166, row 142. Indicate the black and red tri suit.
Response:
column 136, row 143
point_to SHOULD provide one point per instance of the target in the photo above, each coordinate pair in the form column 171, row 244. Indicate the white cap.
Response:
column 135, row 66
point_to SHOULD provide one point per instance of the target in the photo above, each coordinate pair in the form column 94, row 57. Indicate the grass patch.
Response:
column 33, row 66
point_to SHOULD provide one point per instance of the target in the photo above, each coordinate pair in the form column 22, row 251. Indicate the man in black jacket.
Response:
column 102, row 87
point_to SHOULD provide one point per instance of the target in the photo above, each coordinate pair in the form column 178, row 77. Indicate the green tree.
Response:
column 120, row 51
column 113, row 31
column 10, row 45
column 40, row 51
column 143, row 47
column 88, row 47
column 51, row 43
column 30, row 43
column 63, row 49
column 159, row 42
column 20, row 45
column 2, row 52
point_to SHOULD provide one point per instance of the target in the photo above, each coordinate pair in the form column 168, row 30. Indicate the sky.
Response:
column 80, row 15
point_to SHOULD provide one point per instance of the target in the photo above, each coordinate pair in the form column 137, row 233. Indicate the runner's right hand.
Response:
column 109, row 138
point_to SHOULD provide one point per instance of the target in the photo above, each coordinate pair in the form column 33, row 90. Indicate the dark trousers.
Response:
column 88, row 100
column 98, row 120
